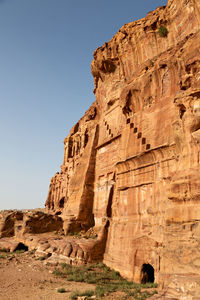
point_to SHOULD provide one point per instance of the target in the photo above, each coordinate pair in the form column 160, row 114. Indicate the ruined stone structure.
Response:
column 132, row 162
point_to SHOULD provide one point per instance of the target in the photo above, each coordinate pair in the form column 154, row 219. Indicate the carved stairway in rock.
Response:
column 108, row 129
column 140, row 137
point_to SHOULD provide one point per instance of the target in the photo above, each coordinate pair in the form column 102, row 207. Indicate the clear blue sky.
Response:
column 46, row 49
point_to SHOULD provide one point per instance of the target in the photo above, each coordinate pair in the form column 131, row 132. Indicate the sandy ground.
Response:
column 24, row 277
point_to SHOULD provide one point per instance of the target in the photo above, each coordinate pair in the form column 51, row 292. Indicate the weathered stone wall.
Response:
column 16, row 223
column 132, row 162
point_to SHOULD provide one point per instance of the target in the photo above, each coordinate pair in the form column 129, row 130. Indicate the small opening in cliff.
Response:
column 86, row 138
column 61, row 202
column 109, row 207
column 143, row 141
column 148, row 146
column 127, row 109
column 21, row 247
column 58, row 213
column 147, row 273
column 182, row 110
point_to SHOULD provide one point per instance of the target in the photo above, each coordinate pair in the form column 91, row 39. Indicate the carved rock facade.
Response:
column 132, row 163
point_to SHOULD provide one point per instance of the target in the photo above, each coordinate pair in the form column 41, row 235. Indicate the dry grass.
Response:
column 106, row 280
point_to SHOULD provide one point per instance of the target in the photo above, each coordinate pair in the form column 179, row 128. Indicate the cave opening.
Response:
column 109, row 207
column 61, row 202
column 182, row 110
column 20, row 247
column 86, row 137
column 58, row 213
column 147, row 273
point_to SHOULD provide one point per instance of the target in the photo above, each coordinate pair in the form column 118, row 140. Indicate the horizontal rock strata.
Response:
column 132, row 161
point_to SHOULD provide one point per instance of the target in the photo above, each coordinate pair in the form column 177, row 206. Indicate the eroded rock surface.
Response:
column 131, row 164
column 15, row 223
column 133, row 159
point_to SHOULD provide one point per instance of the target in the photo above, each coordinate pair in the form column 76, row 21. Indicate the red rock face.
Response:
column 18, row 223
column 132, row 161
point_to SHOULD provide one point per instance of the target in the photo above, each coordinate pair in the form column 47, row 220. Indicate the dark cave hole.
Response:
column 148, row 146
column 147, row 273
column 182, row 110
column 86, row 137
column 58, row 213
column 21, row 246
column 109, row 207
column 61, row 202
column 143, row 141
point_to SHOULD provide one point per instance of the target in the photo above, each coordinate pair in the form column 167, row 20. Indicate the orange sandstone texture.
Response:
column 131, row 164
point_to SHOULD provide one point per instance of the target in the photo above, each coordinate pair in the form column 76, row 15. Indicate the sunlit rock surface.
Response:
column 133, row 159
column 131, row 164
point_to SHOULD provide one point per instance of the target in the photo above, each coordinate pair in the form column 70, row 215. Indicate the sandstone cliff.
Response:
column 131, row 164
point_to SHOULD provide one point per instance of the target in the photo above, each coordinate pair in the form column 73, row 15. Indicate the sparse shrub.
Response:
column 41, row 258
column 77, row 277
column 3, row 250
column 151, row 63
column 101, row 265
column 58, row 273
column 64, row 265
column 154, row 292
column 90, row 236
column 106, row 280
column 114, row 275
column 162, row 31
column 76, row 294
column 19, row 251
column 2, row 256
column 149, row 285
column 132, row 293
column 75, row 234
column 101, row 290
column 87, row 293
column 61, row 290
column 145, row 295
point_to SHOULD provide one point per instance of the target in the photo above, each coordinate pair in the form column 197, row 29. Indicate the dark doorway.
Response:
column 86, row 137
column 21, row 246
column 109, row 206
column 61, row 202
column 147, row 273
